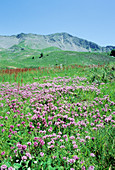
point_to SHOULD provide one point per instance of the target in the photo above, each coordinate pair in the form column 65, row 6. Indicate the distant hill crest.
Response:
column 63, row 40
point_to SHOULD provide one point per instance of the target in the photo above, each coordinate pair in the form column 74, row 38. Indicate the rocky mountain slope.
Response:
column 64, row 41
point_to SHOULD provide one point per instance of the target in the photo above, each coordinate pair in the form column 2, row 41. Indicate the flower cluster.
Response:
column 50, row 119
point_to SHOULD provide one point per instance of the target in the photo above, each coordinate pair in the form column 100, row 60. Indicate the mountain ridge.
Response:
column 63, row 40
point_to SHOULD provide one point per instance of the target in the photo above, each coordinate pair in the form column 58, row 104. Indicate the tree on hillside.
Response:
column 41, row 55
column 112, row 53
column 22, row 48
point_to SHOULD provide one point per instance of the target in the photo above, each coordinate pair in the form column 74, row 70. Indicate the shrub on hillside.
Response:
column 41, row 55
column 112, row 53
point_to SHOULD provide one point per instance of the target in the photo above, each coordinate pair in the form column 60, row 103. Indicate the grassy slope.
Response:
column 52, row 56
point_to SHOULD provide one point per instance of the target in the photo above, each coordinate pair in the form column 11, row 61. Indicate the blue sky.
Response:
column 93, row 20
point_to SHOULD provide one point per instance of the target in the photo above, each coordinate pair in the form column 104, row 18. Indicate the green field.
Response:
column 57, row 117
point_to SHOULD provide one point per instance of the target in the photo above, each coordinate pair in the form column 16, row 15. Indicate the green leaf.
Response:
column 17, row 166
column 41, row 163
column 49, row 161
column 57, row 167
column 50, row 167
column 8, row 164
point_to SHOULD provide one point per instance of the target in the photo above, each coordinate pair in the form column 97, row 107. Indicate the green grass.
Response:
column 51, row 56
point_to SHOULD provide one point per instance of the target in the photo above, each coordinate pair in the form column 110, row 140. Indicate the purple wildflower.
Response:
column 75, row 157
column 91, row 168
column 75, row 146
column 3, row 167
column 29, row 143
column 71, row 161
column 35, row 144
column 10, row 168
column 24, row 158
column 42, row 154
column 62, row 146
column 3, row 153
column 24, row 147
column 28, row 154
column 92, row 154
column 72, row 137
column 54, row 157
column 83, row 168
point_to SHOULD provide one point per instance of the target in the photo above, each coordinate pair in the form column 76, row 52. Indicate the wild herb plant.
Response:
column 59, row 118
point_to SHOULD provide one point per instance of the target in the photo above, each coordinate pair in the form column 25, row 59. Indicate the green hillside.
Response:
column 21, row 57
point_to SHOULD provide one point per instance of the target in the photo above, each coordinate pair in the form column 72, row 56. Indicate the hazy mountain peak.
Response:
column 21, row 35
column 61, row 40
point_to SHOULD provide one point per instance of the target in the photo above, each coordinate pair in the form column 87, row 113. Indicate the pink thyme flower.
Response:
column 24, row 147
column 93, row 138
column 83, row 168
column 66, row 139
column 75, row 146
column 64, row 136
column 72, row 137
column 59, row 133
column 3, row 130
column 61, row 140
column 54, row 157
column 71, row 161
column 42, row 154
column 3, row 153
column 75, row 157
column 6, row 117
column 28, row 154
column 29, row 143
column 41, row 141
column 62, row 146
column 92, row 154
column 15, row 151
column 10, row 168
column 11, row 126
column 24, row 158
column 87, row 137
column 73, row 142
column 19, row 146
column 52, row 146
column 107, row 119
column 18, row 125
column 35, row 144
column 81, row 162
column 36, row 138
column 91, row 168
column 3, row 167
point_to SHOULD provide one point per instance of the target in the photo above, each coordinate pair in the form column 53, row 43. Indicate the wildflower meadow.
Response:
column 57, row 118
